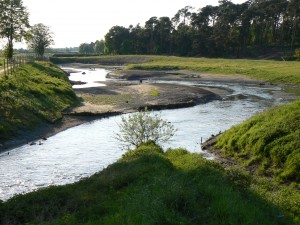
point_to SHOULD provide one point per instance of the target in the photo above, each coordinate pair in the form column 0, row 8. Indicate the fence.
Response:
column 10, row 65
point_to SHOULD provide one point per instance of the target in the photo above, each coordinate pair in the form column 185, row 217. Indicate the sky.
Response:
column 75, row 22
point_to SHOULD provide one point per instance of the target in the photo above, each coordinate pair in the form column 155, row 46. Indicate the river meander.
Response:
column 83, row 150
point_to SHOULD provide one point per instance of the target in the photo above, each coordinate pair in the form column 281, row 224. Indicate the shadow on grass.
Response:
column 146, row 188
column 49, row 70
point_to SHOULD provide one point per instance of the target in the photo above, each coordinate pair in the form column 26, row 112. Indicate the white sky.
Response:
column 75, row 22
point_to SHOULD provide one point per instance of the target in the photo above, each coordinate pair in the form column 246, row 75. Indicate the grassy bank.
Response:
column 117, row 60
column 268, row 142
column 267, row 70
column 147, row 186
column 37, row 92
column 268, row 145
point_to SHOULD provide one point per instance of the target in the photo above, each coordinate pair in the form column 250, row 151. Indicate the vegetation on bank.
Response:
column 268, row 143
column 36, row 92
column 267, row 70
column 148, row 186
column 110, row 60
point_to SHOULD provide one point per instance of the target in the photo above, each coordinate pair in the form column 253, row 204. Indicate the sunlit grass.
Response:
column 269, row 141
column 267, row 70
column 35, row 92
column 272, row 71
column 108, row 99
column 154, row 93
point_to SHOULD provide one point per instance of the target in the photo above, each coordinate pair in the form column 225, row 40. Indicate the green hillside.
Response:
column 35, row 93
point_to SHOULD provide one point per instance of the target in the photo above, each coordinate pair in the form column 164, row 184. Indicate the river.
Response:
column 86, row 149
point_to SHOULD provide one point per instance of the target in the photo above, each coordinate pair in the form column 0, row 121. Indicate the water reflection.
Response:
column 90, row 77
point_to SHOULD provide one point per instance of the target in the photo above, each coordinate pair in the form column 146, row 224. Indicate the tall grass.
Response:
column 35, row 93
column 147, row 186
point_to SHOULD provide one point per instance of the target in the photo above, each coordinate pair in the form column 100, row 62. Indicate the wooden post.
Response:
column 7, row 66
column 4, row 67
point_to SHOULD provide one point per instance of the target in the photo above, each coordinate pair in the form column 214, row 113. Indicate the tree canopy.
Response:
column 13, row 22
column 142, row 127
column 39, row 38
column 227, row 30
column 96, row 47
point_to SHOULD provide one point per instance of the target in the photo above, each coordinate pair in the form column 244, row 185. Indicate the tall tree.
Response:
column 13, row 22
column 39, row 38
column 183, row 15
column 99, row 47
column 86, row 48
column 202, row 23
column 251, row 28
column 152, row 30
column 294, row 14
column 116, row 40
column 182, row 35
column 164, row 29
column 138, row 39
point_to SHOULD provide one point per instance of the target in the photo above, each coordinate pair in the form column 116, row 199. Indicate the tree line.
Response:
column 227, row 30
column 96, row 47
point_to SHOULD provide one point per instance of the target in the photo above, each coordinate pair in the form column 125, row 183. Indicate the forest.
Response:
column 250, row 29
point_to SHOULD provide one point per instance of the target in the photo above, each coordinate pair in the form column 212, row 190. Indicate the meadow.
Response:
column 284, row 72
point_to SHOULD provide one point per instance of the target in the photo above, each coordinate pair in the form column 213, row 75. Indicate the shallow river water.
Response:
column 83, row 150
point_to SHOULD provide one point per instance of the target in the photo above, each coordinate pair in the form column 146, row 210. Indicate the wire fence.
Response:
column 10, row 65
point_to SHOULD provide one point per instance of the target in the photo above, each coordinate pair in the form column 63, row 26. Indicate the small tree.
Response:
column 39, row 38
column 144, row 126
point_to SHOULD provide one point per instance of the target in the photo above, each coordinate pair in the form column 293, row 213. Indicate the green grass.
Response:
column 108, row 99
column 154, row 93
column 35, row 93
column 268, row 142
column 267, row 70
column 116, row 60
column 147, row 186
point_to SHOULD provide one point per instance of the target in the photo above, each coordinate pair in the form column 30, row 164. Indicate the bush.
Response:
column 173, row 153
column 145, row 148
column 297, row 54
column 141, row 127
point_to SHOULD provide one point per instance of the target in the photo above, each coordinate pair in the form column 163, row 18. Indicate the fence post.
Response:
column 7, row 69
column 4, row 67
